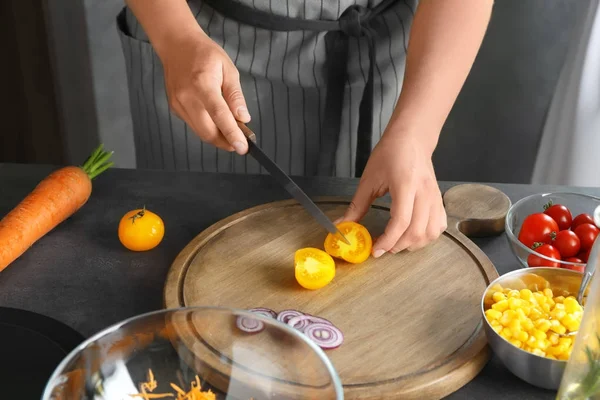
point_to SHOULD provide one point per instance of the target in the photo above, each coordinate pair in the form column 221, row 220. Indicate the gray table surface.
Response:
column 81, row 275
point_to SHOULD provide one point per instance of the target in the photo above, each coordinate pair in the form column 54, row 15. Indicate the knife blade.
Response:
column 288, row 184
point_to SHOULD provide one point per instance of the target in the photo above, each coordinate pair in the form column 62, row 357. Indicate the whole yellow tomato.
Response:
column 141, row 230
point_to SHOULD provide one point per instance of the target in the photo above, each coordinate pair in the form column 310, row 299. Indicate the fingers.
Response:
column 219, row 111
column 201, row 123
column 415, row 234
column 401, row 215
column 232, row 92
column 360, row 204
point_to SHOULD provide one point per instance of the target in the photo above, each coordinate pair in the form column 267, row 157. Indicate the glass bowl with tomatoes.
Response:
column 553, row 230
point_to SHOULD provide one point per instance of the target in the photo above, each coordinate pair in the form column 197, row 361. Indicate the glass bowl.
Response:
column 577, row 204
column 171, row 351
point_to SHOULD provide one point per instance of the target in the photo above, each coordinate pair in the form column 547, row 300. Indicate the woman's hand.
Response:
column 203, row 87
column 401, row 165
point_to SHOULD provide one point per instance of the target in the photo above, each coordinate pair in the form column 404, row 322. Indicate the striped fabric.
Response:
column 283, row 80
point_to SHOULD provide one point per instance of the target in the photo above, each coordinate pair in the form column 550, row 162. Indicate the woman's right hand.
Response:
column 203, row 87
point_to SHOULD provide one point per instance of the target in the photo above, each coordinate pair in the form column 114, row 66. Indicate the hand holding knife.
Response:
column 284, row 180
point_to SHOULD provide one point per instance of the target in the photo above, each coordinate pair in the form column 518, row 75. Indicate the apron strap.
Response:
column 354, row 22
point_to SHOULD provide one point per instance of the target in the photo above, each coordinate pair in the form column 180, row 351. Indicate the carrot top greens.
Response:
column 97, row 162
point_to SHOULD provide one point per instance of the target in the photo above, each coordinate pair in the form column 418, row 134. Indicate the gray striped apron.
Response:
column 321, row 79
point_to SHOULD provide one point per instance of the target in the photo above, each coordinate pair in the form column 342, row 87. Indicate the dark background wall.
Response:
column 492, row 133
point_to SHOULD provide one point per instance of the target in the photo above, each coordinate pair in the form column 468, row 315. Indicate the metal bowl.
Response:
column 539, row 371
column 577, row 203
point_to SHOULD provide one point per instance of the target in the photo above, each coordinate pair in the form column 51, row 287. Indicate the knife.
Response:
column 284, row 180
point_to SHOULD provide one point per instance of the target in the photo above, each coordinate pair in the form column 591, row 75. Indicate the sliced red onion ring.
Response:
column 267, row 312
column 325, row 336
column 285, row 315
column 301, row 322
column 249, row 325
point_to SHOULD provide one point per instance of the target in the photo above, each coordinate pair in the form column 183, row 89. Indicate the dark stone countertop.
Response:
column 80, row 274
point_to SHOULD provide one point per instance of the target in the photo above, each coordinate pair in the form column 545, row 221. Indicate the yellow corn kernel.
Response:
column 570, row 323
column 542, row 325
column 559, row 299
column 571, row 305
column 535, row 314
column 540, row 298
column 551, row 303
column 507, row 332
column 514, row 303
column 531, row 342
column 550, row 356
column 526, row 309
column 514, row 293
column 558, row 314
column 501, row 306
column 492, row 314
column 495, row 323
column 566, row 341
column 522, row 336
column 497, row 296
column 515, row 343
column 555, row 326
column 515, row 326
column 548, row 293
column 508, row 316
column 521, row 315
column 539, row 352
column 527, row 325
column 564, row 356
column 543, row 344
column 553, row 338
column 497, row 328
column 539, row 335
column 526, row 294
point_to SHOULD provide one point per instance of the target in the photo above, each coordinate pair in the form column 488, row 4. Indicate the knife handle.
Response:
column 247, row 131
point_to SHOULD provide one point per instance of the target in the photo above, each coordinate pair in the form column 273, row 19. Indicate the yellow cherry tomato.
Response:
column 360, row 245
column 313, row 268
column 141, row 230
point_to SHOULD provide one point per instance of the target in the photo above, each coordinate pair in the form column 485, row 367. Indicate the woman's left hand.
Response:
column 402, row 166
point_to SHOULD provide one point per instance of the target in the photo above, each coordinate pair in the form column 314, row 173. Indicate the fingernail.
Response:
column 378, row 253
column 239, row 147
column 242, row 112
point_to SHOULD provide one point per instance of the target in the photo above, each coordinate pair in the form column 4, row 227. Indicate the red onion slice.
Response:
column 249, row 325
column 325, row 336
column 285, row 315
column 267, row 312
column 303, row 321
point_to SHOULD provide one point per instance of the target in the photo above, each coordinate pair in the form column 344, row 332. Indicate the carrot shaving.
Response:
column 195, row 392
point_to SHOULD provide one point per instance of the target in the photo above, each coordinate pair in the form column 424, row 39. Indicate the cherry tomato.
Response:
column 360, row 245
column 573, row 267
column 582, row 219
column 587, row 234
column 545, row 250
column 314, row 268
column 537, row 227
column 584, row 255
column 567, row 243
column 560, row 214
column 141, row 230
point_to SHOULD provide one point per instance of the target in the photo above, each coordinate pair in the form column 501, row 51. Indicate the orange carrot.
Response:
column 53, row 200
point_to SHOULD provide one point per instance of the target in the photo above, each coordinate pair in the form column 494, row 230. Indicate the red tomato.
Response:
column 560, row 214
column 582, row 219
column 587, row 234
column 567, row 243
column 573, row 267
column 545, row 250
column 584, row 255
column 537, row 227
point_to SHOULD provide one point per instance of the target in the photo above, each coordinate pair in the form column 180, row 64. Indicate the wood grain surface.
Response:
column 411, row 321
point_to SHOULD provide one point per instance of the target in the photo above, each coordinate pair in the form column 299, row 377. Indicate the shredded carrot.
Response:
column 58, row 196
column 195, row 392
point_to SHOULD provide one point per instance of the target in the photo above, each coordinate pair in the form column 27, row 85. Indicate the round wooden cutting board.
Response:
column 411, row 321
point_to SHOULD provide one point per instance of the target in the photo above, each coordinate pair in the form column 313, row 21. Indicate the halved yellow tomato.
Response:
column 360, row 245
column 313, row 268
